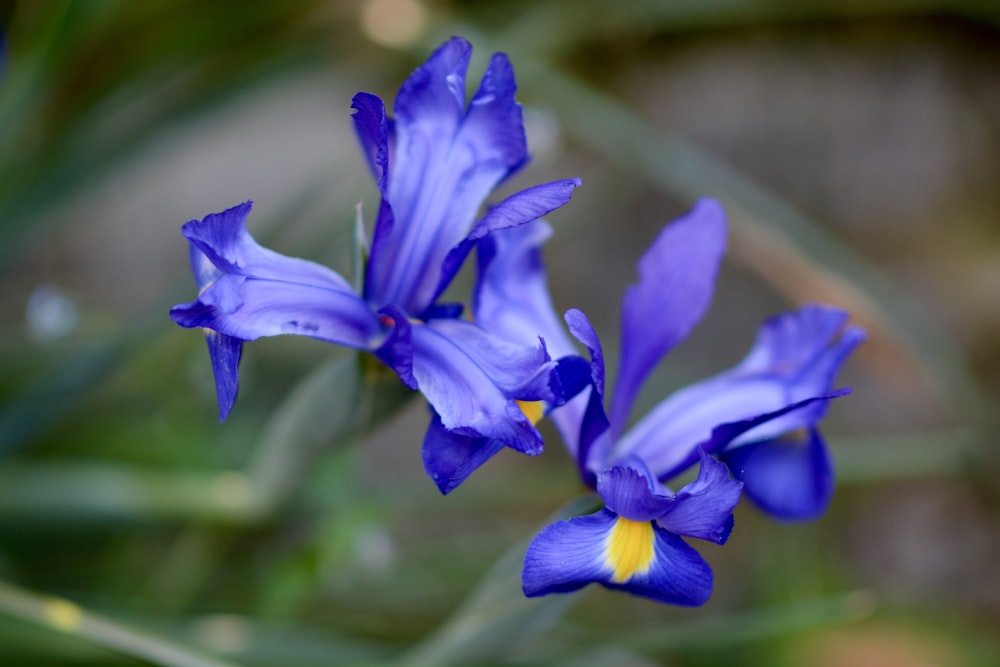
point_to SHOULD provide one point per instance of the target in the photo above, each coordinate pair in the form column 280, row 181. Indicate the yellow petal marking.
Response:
column 629, row 549
column 533, row 410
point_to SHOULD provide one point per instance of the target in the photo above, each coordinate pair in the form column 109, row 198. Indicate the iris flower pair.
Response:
column 434, row 164
column 759, row 418
column 751, row 429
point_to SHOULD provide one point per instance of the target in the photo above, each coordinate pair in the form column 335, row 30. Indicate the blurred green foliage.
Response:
column 303, row 531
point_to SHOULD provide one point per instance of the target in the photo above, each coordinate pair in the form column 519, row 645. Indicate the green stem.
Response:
column 61, row 615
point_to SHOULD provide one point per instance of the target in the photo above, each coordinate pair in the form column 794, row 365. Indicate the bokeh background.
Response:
column 856, row 146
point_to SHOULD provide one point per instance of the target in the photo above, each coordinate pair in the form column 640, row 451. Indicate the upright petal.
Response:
column 594, row 435
column 676, row 282
column 518, row 209
column 446, row 164
column 372, row 127
column 630, row 492
column 790, row 477
column 511, row 299
column 511, row 295
column 638, row 557
column 704, row 508
column 796, row 357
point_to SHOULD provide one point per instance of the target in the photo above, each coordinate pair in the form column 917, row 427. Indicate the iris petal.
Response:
column 676, row 282
column 474, row 388
column 225, row 242
column 225, row 352
column 511, row 298
column 796, row 357
column 630, row 492
column 568, row 555
column 594, row 437
column 518, row 209
column 789, row 477
column 445, row 164
column 704, row 508
column 511, row 295
column 449, row 458
column 248, row 308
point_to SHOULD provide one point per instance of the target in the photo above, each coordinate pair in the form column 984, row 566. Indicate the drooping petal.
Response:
column 518, row 209
column 224, row 352
column 790, row 477
column 676, row 282
column 630, row 492
column 796, row 357
column 446, row 163
column 638, row 557
column 704, row 508
column 473, row 381
column 449, row 458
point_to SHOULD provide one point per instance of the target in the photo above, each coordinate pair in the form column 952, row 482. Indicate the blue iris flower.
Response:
column 434, row 163
column 759, row 417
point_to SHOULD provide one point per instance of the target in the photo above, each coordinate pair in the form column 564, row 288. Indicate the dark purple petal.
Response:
column 397, row 350
column 225, row 352
column 676, row 282
column 473, row 381
column 704, row 508
column 594, row 443
column 568, row 555
column 789, row 477
column 449, row 458
column 630, row 491
column 518, row 209
column 371, row 126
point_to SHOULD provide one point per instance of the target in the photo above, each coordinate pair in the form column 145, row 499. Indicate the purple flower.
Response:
column 634, row 543
column 434, row 164
column 753, row 416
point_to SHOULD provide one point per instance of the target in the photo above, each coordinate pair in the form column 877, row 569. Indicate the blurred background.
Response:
column 856, row 146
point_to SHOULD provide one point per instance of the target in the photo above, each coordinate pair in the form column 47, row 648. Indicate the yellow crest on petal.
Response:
column 629, row 549
column 533, row 410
